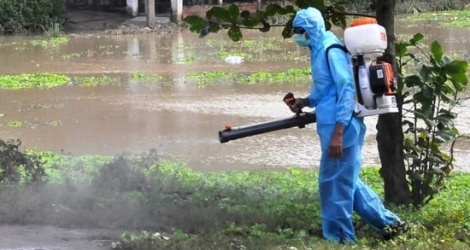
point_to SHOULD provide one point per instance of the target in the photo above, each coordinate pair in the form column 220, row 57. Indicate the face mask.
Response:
column 301, row 40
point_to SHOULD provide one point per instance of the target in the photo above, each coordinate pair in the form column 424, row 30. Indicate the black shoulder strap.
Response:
column 333, row 46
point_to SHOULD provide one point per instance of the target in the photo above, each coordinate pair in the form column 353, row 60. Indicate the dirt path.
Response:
column 54, row 238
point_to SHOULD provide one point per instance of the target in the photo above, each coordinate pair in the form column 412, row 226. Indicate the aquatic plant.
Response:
column 289, row 76
column 40, row 80
column 96, row 80
column 137, row 75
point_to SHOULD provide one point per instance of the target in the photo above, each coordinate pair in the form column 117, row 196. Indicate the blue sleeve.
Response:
column 343, row 79
column 311, row 100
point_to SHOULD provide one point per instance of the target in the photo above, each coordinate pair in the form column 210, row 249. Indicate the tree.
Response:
column 389, row 127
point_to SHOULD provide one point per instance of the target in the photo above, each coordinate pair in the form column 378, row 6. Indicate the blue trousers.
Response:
column 342, row 193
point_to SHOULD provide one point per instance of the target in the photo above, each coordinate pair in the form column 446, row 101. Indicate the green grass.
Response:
column 162, row 204
column 280, row 210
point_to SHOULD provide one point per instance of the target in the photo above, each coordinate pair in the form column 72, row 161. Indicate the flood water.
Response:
column 175, row 113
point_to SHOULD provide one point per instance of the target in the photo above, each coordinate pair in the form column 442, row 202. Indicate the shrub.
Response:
column 17, row 166
column 30, row 16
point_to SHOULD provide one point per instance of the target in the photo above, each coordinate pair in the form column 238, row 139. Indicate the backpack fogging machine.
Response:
column 375, row 83
column 299, row 120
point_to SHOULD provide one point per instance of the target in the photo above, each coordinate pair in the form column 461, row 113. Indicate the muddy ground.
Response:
column 46, row 237
column 54, row 238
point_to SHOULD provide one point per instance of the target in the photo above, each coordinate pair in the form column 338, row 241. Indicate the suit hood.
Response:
column 312, row 21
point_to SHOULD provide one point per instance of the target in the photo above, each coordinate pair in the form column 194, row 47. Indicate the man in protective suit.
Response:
column 332, row 94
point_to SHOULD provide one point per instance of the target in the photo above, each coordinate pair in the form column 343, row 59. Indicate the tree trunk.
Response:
column 389, row 127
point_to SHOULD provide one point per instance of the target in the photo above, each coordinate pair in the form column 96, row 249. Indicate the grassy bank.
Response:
column 165, row 205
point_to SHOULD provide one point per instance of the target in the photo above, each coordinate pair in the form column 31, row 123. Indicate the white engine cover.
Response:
column 372, row 104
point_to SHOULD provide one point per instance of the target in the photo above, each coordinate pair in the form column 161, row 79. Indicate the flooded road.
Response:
column 175, row 113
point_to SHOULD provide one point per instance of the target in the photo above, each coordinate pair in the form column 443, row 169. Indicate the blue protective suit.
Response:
column 333, row 95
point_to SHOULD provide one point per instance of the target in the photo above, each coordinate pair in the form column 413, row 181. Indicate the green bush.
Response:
column 30, row 16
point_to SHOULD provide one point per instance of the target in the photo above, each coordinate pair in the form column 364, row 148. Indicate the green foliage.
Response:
column 219, row 18
column 31, row 16
column 41, row 80
column 62, row 168
column 17, row 166
column 54, row 31
column 429, row 96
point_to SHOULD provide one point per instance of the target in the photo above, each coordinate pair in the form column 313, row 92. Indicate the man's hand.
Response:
column 335, row 149
column 299, row 104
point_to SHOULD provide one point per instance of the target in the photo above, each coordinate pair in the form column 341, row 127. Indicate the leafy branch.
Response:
column 230, row 18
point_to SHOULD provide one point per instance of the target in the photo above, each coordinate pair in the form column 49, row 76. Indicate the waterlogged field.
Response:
column 130, row 83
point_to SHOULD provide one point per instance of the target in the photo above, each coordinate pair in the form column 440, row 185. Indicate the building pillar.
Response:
column 150, row 12
column 177, row 9
column 221, row 2
column 132, row 7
